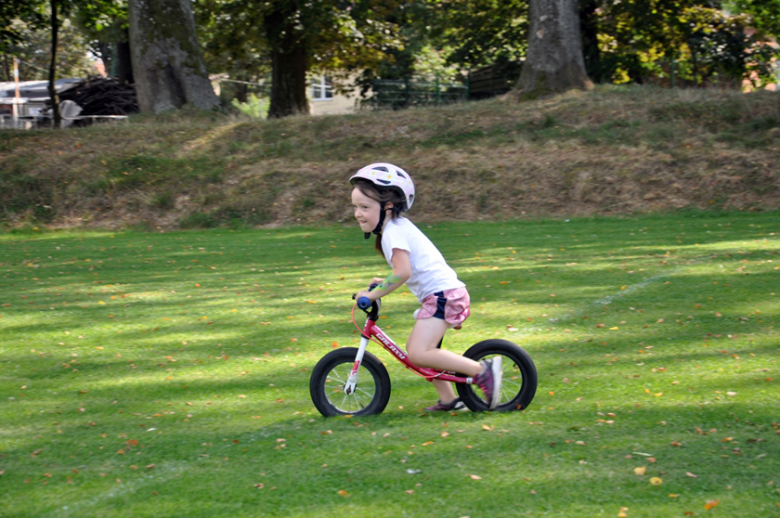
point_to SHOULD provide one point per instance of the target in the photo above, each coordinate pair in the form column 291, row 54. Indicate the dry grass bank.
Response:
column 615, row 150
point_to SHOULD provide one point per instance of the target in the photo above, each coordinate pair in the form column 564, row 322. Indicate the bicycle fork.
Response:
column 351, row 384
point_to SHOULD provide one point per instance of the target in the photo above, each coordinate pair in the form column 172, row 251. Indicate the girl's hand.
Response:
column 377, row 280
column 367, row 294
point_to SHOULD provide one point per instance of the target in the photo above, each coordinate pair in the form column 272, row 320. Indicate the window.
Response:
column 321, row 89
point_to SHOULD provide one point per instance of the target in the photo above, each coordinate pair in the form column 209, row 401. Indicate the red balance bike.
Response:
column 352, row 381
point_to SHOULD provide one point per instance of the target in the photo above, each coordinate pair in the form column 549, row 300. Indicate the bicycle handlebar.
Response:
column 364, row 302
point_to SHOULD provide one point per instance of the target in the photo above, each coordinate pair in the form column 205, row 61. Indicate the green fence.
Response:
column 397, row 94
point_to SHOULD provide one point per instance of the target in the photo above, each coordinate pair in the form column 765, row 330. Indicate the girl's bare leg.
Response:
column 423, row 352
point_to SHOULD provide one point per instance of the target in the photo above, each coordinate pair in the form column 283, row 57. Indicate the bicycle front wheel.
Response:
column 330, row 376
column 519, row 377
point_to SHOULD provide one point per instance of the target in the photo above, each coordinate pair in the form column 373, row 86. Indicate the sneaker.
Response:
column 489, row 381
column 455, row 404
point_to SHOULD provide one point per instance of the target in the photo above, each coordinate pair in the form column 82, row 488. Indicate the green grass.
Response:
column 147, row 374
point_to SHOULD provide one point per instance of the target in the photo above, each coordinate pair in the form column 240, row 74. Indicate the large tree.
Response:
column 167, row 62
column 301, row 36
column 554, row 62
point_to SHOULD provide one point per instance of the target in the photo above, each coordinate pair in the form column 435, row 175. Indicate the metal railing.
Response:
column 396, row 94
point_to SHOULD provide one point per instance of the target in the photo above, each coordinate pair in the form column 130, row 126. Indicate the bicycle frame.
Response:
column 371, row 331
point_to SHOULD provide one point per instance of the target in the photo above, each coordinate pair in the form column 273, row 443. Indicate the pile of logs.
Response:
column 102, row 96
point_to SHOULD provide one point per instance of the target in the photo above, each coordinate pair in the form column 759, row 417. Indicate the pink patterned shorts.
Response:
column 452, row 306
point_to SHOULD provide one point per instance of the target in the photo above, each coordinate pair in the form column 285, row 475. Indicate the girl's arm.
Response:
column 402, row 270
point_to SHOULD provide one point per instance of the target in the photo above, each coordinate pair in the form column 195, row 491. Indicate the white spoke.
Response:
column 362, row 396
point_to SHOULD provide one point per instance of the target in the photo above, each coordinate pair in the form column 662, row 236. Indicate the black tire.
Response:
column 330, row 375
column 519, row 379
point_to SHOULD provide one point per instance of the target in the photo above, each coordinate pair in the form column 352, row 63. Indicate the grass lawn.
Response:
column 164, row 375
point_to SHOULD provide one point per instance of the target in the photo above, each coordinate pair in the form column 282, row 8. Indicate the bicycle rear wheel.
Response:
column 519, row 377
column 330, row 375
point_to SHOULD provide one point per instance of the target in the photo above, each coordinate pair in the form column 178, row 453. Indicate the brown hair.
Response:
column 383, row 196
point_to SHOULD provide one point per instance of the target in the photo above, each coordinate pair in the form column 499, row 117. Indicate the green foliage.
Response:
column 638, row 40
column 484, row 32
column 34, row 52
column 105, row 25
column 28, row 12
column 765, row 13
column 255, row 107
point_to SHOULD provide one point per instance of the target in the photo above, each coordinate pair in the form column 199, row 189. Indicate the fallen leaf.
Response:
column 488, row 428
column 640, row 471
column 427, row 443
column 656, row 481
column 675, row 443
column 475, row 477
column 409, row 491
column 343, row 493
column 710, row 504
column 689, row 474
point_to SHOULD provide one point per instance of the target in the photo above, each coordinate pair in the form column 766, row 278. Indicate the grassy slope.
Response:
column 653, row 335
column 610, row 151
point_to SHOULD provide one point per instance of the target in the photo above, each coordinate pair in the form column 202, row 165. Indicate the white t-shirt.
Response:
column 430, row 272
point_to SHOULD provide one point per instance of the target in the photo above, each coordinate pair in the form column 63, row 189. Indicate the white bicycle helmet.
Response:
column 389, row 176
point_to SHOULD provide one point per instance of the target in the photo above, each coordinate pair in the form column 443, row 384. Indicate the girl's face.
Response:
column 366, row 210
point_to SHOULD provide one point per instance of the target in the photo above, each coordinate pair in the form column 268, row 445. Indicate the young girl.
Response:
column 381, row 192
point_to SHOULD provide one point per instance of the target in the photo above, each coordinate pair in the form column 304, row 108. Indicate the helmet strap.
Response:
column 378, row 229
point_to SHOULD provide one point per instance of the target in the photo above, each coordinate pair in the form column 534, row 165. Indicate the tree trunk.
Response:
column 288, row 67
column 6, row 69
column 241, row 89
column 167, row 62
column 554, row 62
column 124, row 60
column 55, row 100
column 106, row 52
column 590, row 42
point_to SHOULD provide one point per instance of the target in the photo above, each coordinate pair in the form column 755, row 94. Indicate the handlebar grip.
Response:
column 363, row 303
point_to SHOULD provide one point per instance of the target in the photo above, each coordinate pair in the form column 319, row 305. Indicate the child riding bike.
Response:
column 381, row 193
